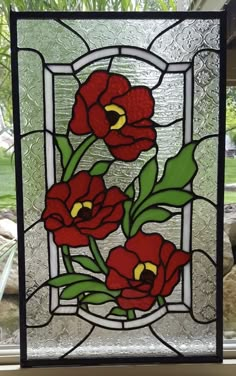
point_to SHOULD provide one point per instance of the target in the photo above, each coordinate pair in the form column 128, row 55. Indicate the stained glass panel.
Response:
column 119, row 122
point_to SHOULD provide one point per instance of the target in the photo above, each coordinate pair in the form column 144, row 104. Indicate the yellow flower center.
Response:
column 82, row 209
column 115, row 116
column 145, row 272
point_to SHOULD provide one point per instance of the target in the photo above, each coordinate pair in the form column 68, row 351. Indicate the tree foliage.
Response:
column 231, row 113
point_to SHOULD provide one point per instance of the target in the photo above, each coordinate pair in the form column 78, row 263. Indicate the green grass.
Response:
column 230, row 197
column 230, row 170
column 230, row 177
column 7, row 181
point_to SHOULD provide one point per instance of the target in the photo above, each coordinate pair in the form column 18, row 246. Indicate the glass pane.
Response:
column 118, row 193
column 229, row 299
column 229, row 218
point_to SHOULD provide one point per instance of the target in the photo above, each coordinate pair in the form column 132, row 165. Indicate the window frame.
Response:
column 227, row 368
column 9, row 357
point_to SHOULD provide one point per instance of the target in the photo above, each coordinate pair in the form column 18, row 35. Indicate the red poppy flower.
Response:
column 146, row 267
column 82, row 207
column 108, row 106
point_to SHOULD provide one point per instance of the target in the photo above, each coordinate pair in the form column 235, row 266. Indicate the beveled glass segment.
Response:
column 119, row 123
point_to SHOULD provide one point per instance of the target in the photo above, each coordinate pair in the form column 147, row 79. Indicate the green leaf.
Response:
column 64, row 146
column 76, row 157
column 76, row 289
column 160, row 300
column 150, row 215
column 130, row 192
column 147, row 180
column 100, row 168
column 68, row 279
column 87, row 263
column 126, row 218
column 179, row 170
column 98, row 298
column 117, row 312
column 169, row 197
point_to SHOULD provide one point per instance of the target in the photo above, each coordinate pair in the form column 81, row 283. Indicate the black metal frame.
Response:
column 14, row 16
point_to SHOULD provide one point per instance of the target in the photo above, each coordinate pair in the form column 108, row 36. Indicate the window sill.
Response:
column 9, row 366
column 228, row 368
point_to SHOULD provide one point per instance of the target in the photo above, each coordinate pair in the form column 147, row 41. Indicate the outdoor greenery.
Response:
column 230, row 170
column 7, row 178
column 231, row 114
column 230, row 197
column 230, row 177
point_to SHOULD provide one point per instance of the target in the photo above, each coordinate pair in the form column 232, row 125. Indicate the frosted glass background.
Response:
column 53, row 43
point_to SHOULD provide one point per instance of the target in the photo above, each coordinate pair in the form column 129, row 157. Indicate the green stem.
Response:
column 161, row 301
column 76, row 156
column 69, row 266
column 97, row 255
column 67, row 259
column 131, row 314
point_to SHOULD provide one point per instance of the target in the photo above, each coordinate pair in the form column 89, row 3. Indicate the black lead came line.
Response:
column 164, row 342
column 40, row 325
column 163, row 32
column 73, row 31
column 110, row 64
column 32, row 225
column 79, row 343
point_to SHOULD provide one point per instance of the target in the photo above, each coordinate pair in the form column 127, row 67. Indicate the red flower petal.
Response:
column 131, row 152
column 70, row 236
column 94, row 86
column 144, row 304
column 169, row 285
column 59, row 190
column 102, row 231
column 144, row 287
column 99, row 198
column 115, row 138
column 159, row 281
column 117, row 85
column 114, row 196
column 84, row 188
column 177, row 259
column 166, row 251
column 132, row 293
column 139, row 132
column 55, row 206
column 94, row 222
column 146, row 246
column 52, row 224
column 140, row 286
column 122, row 261
column 137, row 102
column 96, row 209
column 135, row 283
column 116, row 214
column 142, row 123
column 98, row 121
column 115, row 281
column 79, row 185
column 96, row 188
column 79, row 123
